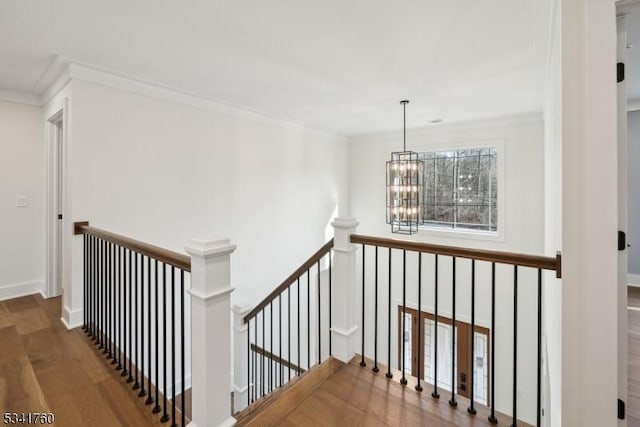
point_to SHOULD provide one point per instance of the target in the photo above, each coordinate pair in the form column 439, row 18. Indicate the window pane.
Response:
column 460, row 189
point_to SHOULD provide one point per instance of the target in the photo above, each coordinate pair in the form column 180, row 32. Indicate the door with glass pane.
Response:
column 462, row 365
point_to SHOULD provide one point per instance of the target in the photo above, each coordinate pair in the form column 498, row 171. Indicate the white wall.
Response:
column 523, row 206
column 22, row 167
column 633, row 160
column 165, row 172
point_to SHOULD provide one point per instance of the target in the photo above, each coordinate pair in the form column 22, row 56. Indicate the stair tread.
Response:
column 276, row 406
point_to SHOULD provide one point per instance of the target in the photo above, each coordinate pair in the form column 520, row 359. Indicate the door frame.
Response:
column 56, row 183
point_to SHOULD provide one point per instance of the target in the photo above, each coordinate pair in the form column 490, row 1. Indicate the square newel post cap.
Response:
column 344, row 223
column 210, row 248
column 343, row 228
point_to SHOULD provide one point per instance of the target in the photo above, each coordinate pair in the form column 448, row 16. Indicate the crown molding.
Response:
column 461, row 126
column 63, row 70
column 88, row 73
column 20, row 97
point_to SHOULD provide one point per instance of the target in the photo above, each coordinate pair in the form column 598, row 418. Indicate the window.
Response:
column 461, row 189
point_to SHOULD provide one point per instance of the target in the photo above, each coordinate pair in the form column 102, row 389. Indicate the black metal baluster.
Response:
column 403, row 380
column 249, row 379
column 453, row 401
column 492, row 417
column 281, row 367
column 94, row 290
column 84, row 283
column 125, row 371
column 471, row 409
column 109, row 303
column 156, row 408
column 289, row 329
column 271, row 345
column 130, row 355
column 142, row 390
column 389, row 374
column 330, row 303
column 319, row 321
column 420, row 349
column 262, row 384
column 90, row 285
column 255, row 358
column 435, row 393
column 539, row 379
column 173, row 346
column 165, row 415
column 103, row 329
column 182, row 349
column 375, row 319
column 149, row 400
column 515, row 344
column 308, row 320
column 362, row 362
column 107, row 306
column 107, row 296
column 298, row 327
column 120, row 312
column 112, row 284
column 539, row 376
column 135, row 353
column 101, row 300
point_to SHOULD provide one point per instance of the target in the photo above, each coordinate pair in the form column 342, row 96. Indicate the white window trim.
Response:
column 499, row 234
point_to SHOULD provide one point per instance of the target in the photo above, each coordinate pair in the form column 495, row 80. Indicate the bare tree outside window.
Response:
column 461, row 189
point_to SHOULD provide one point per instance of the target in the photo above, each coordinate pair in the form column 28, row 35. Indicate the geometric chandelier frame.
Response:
column 405, row 188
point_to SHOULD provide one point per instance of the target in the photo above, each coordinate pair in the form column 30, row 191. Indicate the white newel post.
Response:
column 240, row 350
column 210, row 332
column 344, row 325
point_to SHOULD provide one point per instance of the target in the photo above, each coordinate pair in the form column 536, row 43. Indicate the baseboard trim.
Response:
column 72, row 319
column 226, row 423
column 633, row 280
column 187, row 386
column 18, row 290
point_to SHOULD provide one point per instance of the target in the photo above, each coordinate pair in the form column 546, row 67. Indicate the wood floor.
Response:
column 633, row 351
column 46, row 368
column 339, row 394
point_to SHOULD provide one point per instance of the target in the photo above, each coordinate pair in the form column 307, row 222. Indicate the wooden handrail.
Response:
column 276, row 358
column 166, row 256
column 535, row 261
column 289, row 280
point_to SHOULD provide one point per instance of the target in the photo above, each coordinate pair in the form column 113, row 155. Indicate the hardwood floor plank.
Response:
column 19, row 388
column 11, row 347
column 360, row 393
column 30, row 320
column 324, row 409
column 5, row 316
column 23, row 303
column 46, row 368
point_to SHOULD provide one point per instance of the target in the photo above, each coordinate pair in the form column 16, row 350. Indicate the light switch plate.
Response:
column 21, row 201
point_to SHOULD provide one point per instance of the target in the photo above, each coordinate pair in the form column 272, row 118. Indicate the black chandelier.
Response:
column 405, row 186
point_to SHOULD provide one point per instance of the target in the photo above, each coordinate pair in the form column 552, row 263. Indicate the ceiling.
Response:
column 334, row 65
column 633, row 55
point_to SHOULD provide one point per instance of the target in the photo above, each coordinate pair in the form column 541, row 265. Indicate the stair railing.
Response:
column 403, row 281
column 286, row 331
column 142, row 303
